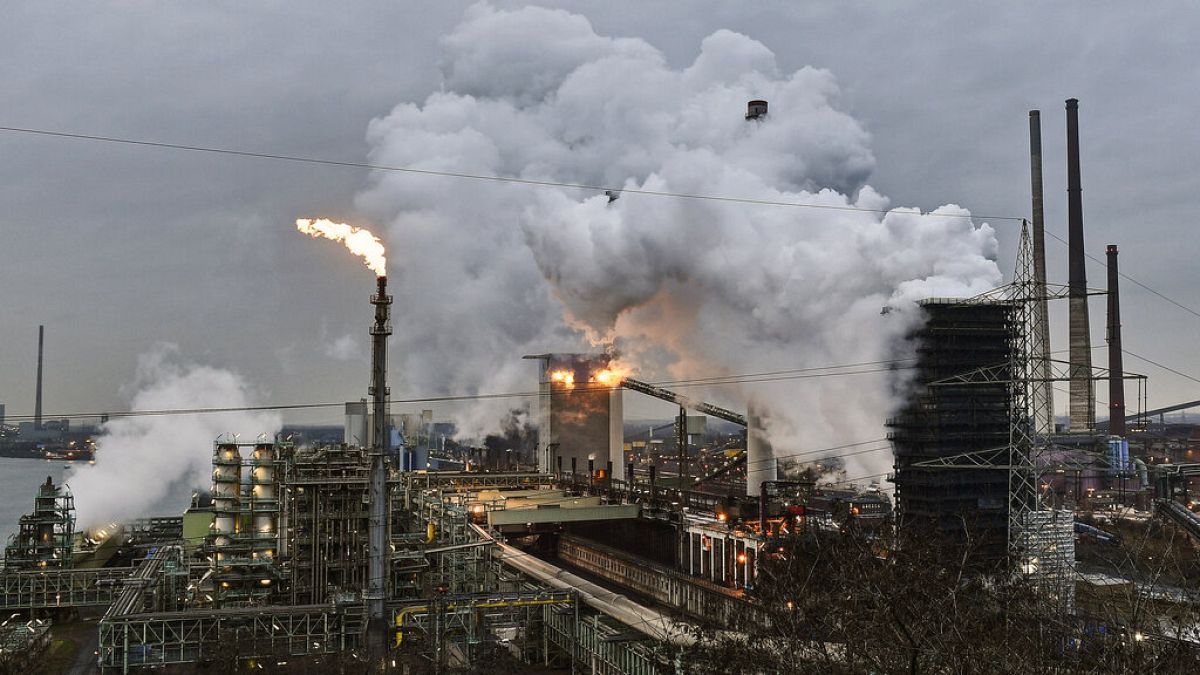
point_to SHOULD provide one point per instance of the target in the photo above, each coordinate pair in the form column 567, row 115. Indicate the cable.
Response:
column 1156, row 363
column 464, row 175
column 701, row 382
column 1129, row 278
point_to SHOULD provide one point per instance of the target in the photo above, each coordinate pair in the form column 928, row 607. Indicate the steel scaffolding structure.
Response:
column 1031, row 548
column 44, row 537
column 61, row 588
column 328, row 517
column 457, row 625
column 245, row 538
column 471, row 569
column 166, row 638
column 597, row 644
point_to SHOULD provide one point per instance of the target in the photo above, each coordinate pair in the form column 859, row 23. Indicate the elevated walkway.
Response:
column 1181, row 516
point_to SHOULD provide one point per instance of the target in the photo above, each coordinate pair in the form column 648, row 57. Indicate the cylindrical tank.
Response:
column 264, row 498
column 227, row 471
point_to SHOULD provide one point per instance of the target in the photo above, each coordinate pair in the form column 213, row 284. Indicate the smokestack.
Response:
column 377, row 534
column 37, row 401
column 1116, row 368
column 1043, row 391
column 1083, row 395
column 756, row 109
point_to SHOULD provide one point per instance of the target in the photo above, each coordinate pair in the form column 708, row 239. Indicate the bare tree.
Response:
column 856, row 602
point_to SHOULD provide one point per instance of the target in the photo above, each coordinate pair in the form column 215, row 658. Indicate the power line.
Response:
column 1129, row 278
column 460, row 174
column 797, row 374
column 821, row 451
column 1156, row 363
column 719, row 379
column 821, row 456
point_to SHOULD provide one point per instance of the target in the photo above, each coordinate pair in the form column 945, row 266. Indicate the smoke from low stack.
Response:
column 683, row 288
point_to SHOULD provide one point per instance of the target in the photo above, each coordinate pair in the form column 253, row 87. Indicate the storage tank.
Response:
column 264, row 497
column 226, row 486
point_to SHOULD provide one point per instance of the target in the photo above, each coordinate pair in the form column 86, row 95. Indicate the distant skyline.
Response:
column 117, row 249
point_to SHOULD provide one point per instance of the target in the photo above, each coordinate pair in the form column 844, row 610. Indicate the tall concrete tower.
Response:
column 1042, row 389
column 1083, row 393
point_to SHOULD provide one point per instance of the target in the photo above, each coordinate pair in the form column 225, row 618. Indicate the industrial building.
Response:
column 944, row 419
column 579, row 415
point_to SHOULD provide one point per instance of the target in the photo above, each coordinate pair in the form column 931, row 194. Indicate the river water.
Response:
column 19, row 480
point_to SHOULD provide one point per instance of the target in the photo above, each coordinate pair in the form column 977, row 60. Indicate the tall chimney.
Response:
column 1083, row 395
column 1116, row 368
column 37, row 402
column 377, row 530
column 1043, row 391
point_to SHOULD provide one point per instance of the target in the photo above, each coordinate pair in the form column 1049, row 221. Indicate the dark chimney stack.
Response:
column 37, row 402
column 1116, row 368
column 1083, row 396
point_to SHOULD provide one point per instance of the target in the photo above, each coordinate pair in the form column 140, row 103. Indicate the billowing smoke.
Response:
column 151, row 464
column 684, row 288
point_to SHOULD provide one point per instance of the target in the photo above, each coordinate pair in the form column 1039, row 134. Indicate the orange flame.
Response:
column 564, row 377
column 611, row 376
column 360, row 241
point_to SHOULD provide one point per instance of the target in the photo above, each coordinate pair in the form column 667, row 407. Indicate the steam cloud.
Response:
column 683, row 288
column 152, row 464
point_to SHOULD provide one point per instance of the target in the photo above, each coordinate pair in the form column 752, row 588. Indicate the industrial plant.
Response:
column 602, row 546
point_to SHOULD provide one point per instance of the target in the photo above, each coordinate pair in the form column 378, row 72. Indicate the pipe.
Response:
column 1083, row 395
column 653, row 623
column 1116, row 368
column 378, row 497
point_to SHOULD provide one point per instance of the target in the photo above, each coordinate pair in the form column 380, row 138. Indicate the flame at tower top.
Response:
column 360, row 241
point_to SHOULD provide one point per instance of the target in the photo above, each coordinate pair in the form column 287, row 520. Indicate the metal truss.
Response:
column 486, row 601
column 140, row 640
column 61, row 588
column 595, row 645
column 1027, row 375
column 463, row 480
column 461, row 623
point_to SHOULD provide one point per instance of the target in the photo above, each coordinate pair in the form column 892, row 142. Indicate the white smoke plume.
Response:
column 344, row 348
column 151, row 464
column 684, row 288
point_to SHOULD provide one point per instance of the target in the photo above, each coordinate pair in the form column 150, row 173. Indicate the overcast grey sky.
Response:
column 116, row 249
